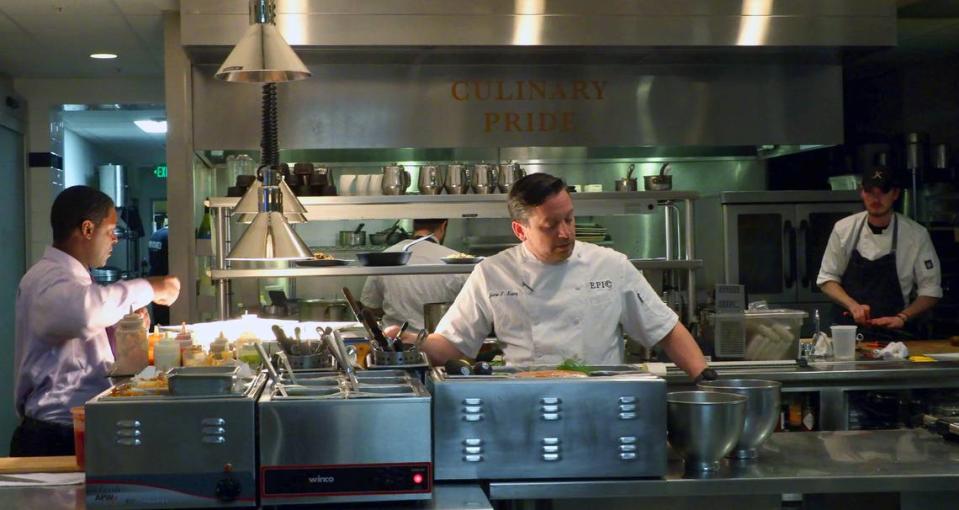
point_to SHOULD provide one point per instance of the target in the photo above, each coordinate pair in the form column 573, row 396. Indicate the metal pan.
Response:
column 384, row 258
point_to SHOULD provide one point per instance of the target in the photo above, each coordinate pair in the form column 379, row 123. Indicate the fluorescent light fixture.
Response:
column 103, row 56
column 151, row 126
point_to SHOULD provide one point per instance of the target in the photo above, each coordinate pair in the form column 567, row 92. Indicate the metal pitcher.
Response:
column 484, row 179
column 431, row 179
column 509, row 174
column 457, row 179
column 395, row 180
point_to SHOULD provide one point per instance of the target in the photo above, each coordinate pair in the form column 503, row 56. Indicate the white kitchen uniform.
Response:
column 401, row 297
column 917, row 264
column 62, row 349
column 546, row 313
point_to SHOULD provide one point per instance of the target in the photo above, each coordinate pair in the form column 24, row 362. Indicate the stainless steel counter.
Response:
column 834, row 380
column 445, row 497
column 902, row 461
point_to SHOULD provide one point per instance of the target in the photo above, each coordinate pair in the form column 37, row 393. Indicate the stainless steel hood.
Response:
column 553, row 23
column 627, row 73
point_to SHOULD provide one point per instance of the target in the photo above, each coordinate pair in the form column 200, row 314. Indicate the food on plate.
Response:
column 549, row 374
column 318, row 255
column 460, row 255
column 139, row 387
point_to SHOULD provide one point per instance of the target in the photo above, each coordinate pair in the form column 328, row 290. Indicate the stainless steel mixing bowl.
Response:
column 762, row 410
column 704, row 426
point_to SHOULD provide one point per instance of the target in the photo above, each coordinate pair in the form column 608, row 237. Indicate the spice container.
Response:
column 131, row 345
column 184, row 338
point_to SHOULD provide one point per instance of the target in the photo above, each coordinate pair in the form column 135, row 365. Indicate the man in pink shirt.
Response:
column 63, row 354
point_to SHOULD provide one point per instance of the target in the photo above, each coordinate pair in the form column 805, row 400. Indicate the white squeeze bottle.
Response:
column 185, row 339
column 166, row 354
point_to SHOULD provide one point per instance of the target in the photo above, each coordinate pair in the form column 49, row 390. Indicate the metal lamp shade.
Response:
column 270, row 237
column 262, row 56
column 249, row 205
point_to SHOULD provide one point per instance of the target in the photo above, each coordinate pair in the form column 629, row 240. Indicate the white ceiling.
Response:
column 115, row 131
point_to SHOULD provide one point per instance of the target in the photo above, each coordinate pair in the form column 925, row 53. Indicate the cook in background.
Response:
column 876, row 258
column 553, row 298
column 401, row 298
column 159, row 250
column 63, row 354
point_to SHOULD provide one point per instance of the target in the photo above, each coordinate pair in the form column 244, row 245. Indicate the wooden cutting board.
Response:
column 13, row 465
column 930, row 347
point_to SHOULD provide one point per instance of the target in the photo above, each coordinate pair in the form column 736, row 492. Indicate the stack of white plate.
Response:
column 591, row 232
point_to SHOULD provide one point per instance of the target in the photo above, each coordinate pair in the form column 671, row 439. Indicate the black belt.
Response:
column 30, row 423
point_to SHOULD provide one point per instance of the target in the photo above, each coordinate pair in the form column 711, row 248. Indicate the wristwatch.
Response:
column 707, row 374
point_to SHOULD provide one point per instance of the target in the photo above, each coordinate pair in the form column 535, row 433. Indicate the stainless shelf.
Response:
column 356, row 270
column 666, row 264
column 351, row 270
column 465, row 206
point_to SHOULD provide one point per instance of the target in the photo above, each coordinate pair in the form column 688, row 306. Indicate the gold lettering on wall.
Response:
column 512, row 118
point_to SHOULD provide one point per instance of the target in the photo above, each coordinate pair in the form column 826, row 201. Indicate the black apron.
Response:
column 874, row 283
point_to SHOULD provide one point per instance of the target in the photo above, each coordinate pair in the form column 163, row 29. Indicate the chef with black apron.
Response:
column 876, row 260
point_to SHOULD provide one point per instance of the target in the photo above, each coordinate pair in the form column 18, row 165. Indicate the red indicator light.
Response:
column 417, row 478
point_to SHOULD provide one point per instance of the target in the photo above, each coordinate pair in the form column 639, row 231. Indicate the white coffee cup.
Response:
column 363, row 184
column 376, row 185
column 346, row 184
column 844, row 342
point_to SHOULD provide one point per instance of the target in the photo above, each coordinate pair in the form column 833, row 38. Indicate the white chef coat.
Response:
column 917, row 264
column 401, row 297
column 62, row 351
column 546, row 313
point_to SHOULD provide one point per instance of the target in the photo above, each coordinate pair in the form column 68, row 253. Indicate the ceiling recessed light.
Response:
column 151, row 126
column 103, row 56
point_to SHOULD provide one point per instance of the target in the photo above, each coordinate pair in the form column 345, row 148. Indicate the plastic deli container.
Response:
column 773, row 334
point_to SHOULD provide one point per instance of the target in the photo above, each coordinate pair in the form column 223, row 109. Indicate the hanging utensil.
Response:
column 285, row 362
column 376, row 333
column 357, row 312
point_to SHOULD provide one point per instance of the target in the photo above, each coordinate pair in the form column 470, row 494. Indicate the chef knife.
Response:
column 376, row 334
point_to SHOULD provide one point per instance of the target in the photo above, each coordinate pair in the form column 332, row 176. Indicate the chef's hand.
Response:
column 391, row 331
column 145, row 317
column 165, row 289
column 888, row 322
column 860, row 314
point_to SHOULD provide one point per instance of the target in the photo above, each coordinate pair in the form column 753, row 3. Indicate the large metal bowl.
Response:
column 762, row 410
column 704, row 426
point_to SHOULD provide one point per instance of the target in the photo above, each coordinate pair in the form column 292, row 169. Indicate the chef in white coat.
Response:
column 63, row 354
column 553, row 298
column 400, row 298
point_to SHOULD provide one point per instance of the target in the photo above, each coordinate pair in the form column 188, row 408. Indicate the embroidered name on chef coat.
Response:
column 503, row 293
column 603, row 284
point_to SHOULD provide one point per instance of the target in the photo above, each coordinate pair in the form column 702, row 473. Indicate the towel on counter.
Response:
column 823, row 347
column 892, row 350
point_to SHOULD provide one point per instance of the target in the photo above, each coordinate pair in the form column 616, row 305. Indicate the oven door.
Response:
column 760, row 242
column 815, row 223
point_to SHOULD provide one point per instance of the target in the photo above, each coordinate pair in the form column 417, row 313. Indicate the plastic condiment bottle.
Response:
column 167, row 354
column 185, row 339
column 220, row 348
column 131, row 345
column 154, row 337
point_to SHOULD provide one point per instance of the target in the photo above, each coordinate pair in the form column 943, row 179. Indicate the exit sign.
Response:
column 160, row 171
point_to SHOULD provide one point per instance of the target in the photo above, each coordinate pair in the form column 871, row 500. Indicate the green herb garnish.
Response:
column 574, row 365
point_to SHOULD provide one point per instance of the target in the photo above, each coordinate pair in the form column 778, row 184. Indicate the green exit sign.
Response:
column 160, row 171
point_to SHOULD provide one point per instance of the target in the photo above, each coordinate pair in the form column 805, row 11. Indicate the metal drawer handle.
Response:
column 213, row 422
column 128, row 433
column 627, row 400
column 551, row 449
column 473, row 458
column 473, row 417
column 472, row 401
column 627, row 448
column 551, row 457
column 473, row 441
column 214, row 431
column 214, row 439
column 551, row 416
column 127, row 424
column 129, row 442
column 627, row 456
column 627, row 416
column 550, row 400
column 550, row 409
column 473, row 450
column 472, row 409
column 627, row 407
column 551, row 440
column 627, row 439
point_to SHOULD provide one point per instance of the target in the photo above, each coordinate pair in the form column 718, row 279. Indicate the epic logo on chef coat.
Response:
column 601, row 285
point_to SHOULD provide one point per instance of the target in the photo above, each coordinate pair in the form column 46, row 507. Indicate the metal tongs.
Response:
column 334, row 342
column 271, row 369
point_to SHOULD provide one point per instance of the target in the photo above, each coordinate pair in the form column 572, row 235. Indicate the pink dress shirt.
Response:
column 62, row 351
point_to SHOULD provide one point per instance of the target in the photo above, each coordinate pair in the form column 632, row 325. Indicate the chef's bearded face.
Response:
column 543, row 220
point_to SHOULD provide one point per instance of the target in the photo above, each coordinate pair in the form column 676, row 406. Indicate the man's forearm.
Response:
column 682, row 349
column 437, row 348
column 920, row 305
column 837, row 294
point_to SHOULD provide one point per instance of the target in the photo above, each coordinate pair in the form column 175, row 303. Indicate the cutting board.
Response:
column 12, row 465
